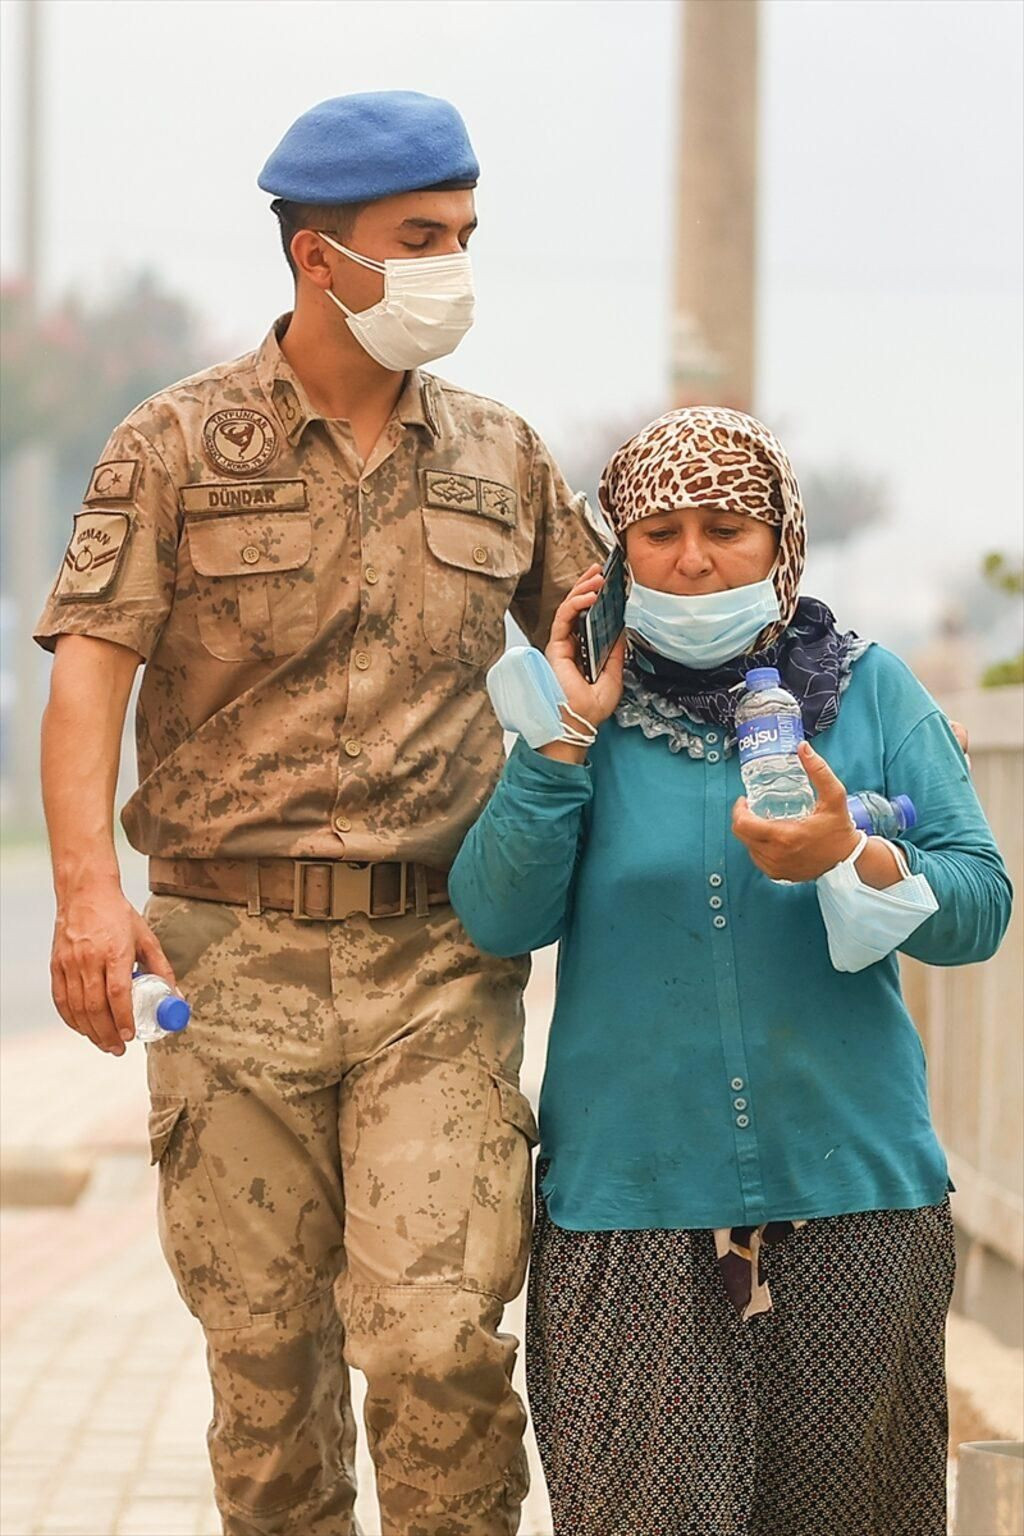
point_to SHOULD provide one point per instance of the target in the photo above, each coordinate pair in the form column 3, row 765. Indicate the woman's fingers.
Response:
column 830, row 792
column 563, row 625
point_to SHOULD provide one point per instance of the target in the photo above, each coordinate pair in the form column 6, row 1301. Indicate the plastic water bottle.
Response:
column 769, row 728
column 158, row 1011
column 874, row 814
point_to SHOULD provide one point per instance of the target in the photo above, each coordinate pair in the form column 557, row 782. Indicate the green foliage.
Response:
column 1004, row 674
column 999, row 573
column 1007, row 578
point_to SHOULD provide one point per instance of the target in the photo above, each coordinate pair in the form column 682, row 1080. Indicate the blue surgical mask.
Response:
column 527, row 697
column 863, row 924
column 703, row 631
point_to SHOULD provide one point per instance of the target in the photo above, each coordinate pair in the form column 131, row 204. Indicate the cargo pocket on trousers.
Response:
column 501, row 1203
column 193, row 1234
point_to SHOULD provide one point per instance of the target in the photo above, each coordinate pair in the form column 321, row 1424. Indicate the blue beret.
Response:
column 354, row 149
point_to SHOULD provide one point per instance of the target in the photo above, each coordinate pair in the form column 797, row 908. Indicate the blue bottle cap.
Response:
column 762, row 677
column 908, row 810
column 172, row 1014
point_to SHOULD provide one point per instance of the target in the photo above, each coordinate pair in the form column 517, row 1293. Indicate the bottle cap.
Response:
column 172, row 1014
column 907, row 810
column 762, row 677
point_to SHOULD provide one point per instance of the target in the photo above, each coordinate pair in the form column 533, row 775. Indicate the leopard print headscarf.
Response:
column 704, row 456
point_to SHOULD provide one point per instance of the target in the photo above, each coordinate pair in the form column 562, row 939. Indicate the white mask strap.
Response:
column 363, row 261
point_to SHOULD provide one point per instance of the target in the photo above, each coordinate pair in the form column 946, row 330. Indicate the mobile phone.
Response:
column 601, row 625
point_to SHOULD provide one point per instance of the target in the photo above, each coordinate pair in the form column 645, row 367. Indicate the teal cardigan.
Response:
column 707, row 1067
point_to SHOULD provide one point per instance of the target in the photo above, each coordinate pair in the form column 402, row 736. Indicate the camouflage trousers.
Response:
column 344, row 1180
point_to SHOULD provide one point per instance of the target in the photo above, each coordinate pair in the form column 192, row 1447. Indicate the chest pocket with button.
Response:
column 470, row 572
column 255, row 589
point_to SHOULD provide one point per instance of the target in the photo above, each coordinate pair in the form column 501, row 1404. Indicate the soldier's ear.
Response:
column 310, row 254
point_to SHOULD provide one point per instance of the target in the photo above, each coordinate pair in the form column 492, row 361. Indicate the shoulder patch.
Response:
column 94, row 554
column 239, row 441
column 114, row 480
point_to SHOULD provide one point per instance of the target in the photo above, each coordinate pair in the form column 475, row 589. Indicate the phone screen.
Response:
column 600, row 627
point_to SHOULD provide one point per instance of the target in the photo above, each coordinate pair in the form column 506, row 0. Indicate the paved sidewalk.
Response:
column 104, row 1398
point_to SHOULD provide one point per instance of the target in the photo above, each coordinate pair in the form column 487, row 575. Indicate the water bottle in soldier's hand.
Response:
column 879, row 817
column 158, row 1010
column 769, row 728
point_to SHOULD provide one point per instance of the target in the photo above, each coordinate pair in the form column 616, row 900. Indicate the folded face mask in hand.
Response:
column 863, row 924
column 528, row 698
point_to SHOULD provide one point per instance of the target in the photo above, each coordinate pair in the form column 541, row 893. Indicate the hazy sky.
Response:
column 891, row 221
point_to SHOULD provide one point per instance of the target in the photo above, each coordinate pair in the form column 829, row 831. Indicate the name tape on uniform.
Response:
column 93, row 556
column 273, row 495
column 113, row 481
column 467, row 493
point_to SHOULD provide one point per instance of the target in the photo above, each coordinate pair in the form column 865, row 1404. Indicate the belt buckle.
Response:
column 348, row 890
column 350, row 887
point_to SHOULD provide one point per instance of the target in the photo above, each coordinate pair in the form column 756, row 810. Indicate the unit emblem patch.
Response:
column 239, row 441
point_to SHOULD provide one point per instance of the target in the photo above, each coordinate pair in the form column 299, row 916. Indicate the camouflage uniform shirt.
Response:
column 315, row 629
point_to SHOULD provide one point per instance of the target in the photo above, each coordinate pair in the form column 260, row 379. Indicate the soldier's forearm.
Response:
column 81, row 749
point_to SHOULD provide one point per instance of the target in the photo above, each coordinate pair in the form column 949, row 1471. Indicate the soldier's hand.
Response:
column 97, row 939
column 960, row 732
column 594, row 701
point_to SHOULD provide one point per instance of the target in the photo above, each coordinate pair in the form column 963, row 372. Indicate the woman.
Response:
column 743, row 1255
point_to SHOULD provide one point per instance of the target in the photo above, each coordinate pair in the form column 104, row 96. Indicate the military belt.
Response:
column 312, row 890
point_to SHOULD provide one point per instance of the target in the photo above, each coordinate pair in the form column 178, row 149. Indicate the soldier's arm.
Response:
column 98, row 934
column 104, row 614
column 566, row 543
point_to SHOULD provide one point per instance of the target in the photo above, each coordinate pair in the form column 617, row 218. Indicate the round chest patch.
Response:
column 238, row 441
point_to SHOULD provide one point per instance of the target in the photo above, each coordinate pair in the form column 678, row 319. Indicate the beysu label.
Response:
column 769, row 736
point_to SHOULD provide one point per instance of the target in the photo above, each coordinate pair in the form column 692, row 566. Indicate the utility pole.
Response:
column 27, row 515
column 716, row 205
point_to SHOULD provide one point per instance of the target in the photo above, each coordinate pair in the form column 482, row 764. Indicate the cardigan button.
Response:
column 713, row 757
column 742, row 1121
column 739, row 1103
column 736, row 1084
column 719, row 921
column 716, row 902
column 715, row 880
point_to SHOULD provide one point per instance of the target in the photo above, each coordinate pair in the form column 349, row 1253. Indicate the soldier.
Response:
column 311, row 550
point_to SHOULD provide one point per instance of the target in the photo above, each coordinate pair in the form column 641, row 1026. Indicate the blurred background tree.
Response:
column 69, row 376
column 1004, row 576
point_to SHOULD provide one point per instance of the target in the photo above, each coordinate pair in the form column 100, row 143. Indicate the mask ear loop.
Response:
column 362, row 261
column 851, row 858
column 583, row 734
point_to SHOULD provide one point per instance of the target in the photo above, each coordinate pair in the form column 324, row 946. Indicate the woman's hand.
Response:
column 594, row 701
column 801, row 850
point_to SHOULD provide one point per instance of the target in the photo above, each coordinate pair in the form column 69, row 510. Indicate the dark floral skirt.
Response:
column 658, row 1412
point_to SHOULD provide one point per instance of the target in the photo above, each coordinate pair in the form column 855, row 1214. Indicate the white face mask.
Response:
column 863, row 924
column 703, row 631
column 426, row 310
